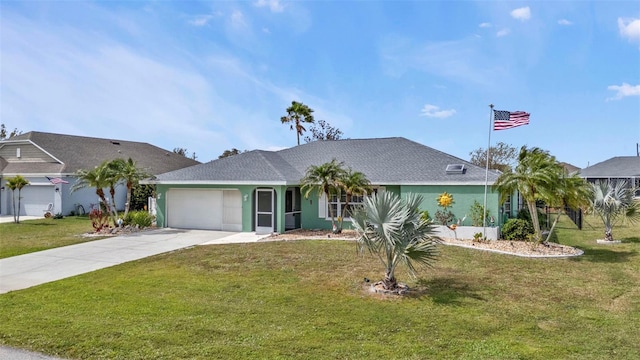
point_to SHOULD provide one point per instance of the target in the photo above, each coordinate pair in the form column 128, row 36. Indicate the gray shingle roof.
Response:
column 385, row 161
column 616, row 167
column 79, row 152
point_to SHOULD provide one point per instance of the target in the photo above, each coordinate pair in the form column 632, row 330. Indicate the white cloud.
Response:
column 434, row 111
column 564, row 22
column 238, row 20
column 624, row 90
column 485, row 25
column 273, row 5
column 522, row 14
column 266, row 30
column 503, row 32
column 200, row 20
column 629, row 28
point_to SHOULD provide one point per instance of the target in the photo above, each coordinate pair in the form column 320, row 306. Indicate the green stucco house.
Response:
column 260, row 190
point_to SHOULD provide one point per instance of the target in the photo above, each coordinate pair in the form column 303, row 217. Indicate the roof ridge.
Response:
column 268, row 161
column 29, row 135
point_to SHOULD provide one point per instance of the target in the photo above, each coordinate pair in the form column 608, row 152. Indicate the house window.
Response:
column 507, row 206
column 18, row 153
column 339, row 207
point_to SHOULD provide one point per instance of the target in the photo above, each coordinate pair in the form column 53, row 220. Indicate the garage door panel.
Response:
column 204, row 209
column 34, row 200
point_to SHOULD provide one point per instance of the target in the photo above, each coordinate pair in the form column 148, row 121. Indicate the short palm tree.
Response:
column 131, row 174
column 535, row 177
column 323, row 180
column 613, row 201
column 94, row 178
column 354, row 183
column 297, row 114
column 16, row 183
column 571, row 191
column 394, row 230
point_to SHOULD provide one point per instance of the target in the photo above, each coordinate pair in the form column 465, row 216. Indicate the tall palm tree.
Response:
column 16, row 183
column 535, row 178
column 354, row 183
column 571, row 191
column 297, row 114
column 395, row 231
column 613, row 201
column 131, row 174
column 324, row 180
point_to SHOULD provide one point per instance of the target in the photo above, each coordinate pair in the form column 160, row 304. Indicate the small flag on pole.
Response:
column 56, row 181
column 503, row 119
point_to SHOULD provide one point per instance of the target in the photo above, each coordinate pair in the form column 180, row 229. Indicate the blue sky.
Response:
column 210, row 76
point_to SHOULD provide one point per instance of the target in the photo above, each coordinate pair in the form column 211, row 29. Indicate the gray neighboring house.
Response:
column 38, row 156
column 260, row 190
column 616, row 168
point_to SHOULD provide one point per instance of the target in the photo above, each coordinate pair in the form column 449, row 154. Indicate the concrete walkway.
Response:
column 24, row 271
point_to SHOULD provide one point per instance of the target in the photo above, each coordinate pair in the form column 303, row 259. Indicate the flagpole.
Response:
column 486, row 176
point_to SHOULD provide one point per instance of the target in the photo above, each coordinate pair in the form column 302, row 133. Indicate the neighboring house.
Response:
column 616, row 168
column 260, row 190
column 38, row 156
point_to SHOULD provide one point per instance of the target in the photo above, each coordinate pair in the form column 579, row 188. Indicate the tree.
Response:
column 535, row 178
column 324, row 180
column 324, row 131
column 16, row 183
column 571, row 191
column 297, row 114
column 501, row 157
column 94, row 178
column 184, row 152
column 228, row 153
column 4, row 135
column 394, row 230
column 353, row 183
column 613, row 201
column 131, row 174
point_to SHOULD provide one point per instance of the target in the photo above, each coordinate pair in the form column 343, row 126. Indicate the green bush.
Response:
column 476, row 214
column 141, row 218
column 517, row 229
column 424, row 215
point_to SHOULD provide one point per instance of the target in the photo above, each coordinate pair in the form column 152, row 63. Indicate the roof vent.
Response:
column 455, row 169
column 115, row 142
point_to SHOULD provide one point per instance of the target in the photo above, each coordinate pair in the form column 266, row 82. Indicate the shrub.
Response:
column 517, row 229
column 140, row 218
column 476, row 214
column 444, row 216
column 424, row 215
column 99, row 219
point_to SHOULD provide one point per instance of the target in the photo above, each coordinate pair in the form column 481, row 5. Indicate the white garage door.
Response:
column 35, row 199
column 204, row 209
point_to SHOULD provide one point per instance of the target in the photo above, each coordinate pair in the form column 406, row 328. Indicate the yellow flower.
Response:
column 445, row 199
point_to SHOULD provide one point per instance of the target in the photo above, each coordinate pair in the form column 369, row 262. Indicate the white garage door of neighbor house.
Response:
column 35, row 199
column 204, row 209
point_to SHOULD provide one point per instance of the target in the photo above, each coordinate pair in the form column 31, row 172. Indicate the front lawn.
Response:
column 304, row 299
column 35, row 235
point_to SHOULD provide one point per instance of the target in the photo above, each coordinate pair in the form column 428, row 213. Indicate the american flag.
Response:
column 56, row 181
column 503, row 119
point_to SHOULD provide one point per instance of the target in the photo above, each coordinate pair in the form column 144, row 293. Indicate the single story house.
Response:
column 617, row 168
column 40, row 156
column 260, row 190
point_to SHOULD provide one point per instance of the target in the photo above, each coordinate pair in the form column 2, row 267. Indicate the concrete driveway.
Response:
column 24, row 271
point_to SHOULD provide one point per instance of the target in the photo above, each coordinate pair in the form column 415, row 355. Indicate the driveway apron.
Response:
column 24, row 271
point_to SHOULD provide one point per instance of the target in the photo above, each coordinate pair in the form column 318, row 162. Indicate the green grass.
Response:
column 36, row 235
column 305, row 299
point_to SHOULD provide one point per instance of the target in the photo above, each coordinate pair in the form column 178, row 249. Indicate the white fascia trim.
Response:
column 34, row 144
column 418, row 183
column 209, row 182
column 36, row 174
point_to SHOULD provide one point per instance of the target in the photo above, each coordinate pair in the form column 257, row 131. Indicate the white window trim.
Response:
column 323, row 205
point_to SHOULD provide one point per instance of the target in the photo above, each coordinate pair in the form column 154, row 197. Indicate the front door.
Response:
column 264, row 211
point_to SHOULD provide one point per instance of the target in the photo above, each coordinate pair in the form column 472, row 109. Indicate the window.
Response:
column 341, row 208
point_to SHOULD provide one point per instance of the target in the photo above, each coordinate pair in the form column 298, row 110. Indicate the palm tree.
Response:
column 324, row 180
column 16, row 183
column 395, row 231
column 535, row 178
column 571, row 191
column 94, row 178
column 613, row 201
column 297, row 114
column 354, row 183
column 131, row 174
